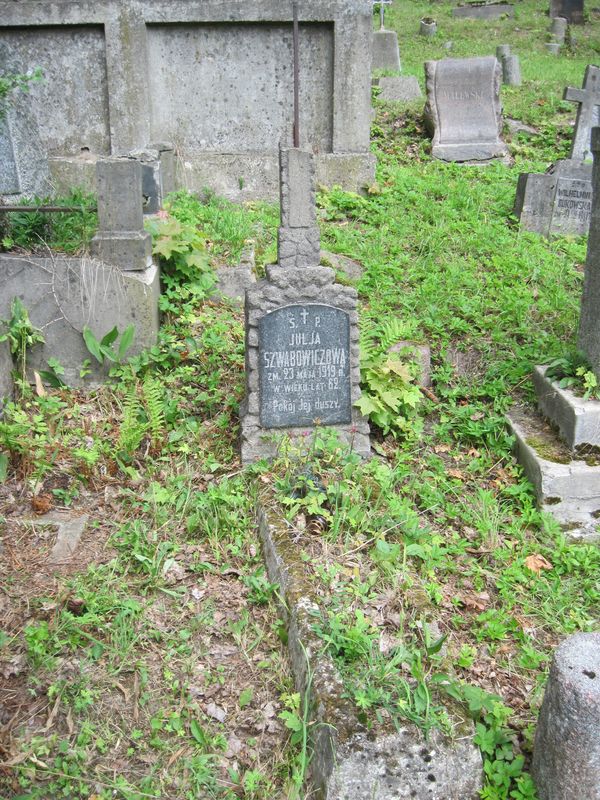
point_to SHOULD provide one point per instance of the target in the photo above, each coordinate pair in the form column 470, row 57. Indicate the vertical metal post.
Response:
column 296, row 39
column 382, row 15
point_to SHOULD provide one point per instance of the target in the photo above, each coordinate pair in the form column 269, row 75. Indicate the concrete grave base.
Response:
column 578, row 420
column 386, row 54
column 565, row 487
column 350, row 762
column 400, row 89
column 63, row 294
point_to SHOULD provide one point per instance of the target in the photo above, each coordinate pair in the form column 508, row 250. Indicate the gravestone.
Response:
column 559, row 202
column 386, row 54
column 482, row 10
column 302, row 368
column 463, row 110
column 572, row 10
column 558, row 448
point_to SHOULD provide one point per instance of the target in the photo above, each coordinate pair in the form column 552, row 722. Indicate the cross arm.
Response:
column 574, row 95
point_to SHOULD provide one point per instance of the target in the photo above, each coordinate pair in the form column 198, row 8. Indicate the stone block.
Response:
column 484, row 10
column 297, row 188
column 386, row 53
column 400, row 89
column 566, row 488
column 578, row 420
column 511, row 71
column 62, row 295
column 352, row 269
column 24, row 169
column 566, row 758
column 299, row 246
column 558, row 29
column 463, row 111
column 232, row 282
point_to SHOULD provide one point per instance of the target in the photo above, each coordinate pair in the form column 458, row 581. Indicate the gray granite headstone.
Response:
column 386, row 53
column 463, row 110
column 560, row 201
column 302, row 367
column 572, row 10
column 589, row 325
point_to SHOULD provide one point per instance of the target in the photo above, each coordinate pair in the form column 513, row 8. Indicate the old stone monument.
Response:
column 564, row 467
column 463, row 111
column 302, row 353
column 386, row 53
column 566, row 758
column 560, row 201
column 481, row 9
column 571, row 10
column 302, row 369
column 117, row 78
column 24, row 168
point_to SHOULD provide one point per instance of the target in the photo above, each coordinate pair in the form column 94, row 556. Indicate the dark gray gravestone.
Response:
column 560, row 201
column 463, row 109
column 569, row 9
column 588, row 113
column 556, row 202
column 304, row 366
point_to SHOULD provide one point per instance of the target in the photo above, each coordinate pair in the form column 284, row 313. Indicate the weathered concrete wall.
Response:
column 213, row 77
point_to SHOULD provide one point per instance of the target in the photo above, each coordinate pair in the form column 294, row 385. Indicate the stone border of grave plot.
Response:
column 349, row 761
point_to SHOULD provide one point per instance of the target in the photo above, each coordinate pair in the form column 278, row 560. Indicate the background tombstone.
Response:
column 484, row 10
column 386, row 53
column 463, row 110
column 302, row 367
column 571, row 10
column 399, row 89
column 561, row 466
column 560, row 201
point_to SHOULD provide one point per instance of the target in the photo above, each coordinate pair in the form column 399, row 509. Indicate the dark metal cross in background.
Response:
column 296, row 39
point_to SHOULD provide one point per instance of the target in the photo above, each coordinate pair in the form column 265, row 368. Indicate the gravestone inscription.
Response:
column 304, row 363
column 463, row 109
column 572, row 206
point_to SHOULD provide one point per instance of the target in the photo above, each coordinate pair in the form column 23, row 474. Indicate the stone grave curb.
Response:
column 562, row 489
column 577, row 419
column 345, row 754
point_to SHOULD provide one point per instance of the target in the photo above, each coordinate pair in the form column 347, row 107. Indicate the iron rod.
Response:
column 296, row 39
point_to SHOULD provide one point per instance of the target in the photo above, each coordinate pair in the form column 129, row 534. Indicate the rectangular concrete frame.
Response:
column 578, row 420
column 570, row 492
column 125, row 26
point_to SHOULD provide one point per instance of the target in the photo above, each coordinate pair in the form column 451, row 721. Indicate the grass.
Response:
column 153, row 664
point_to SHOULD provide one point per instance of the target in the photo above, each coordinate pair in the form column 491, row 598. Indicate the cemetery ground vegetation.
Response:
column 152, row 663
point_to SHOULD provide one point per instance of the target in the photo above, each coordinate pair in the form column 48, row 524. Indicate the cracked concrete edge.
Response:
column 314, row 672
